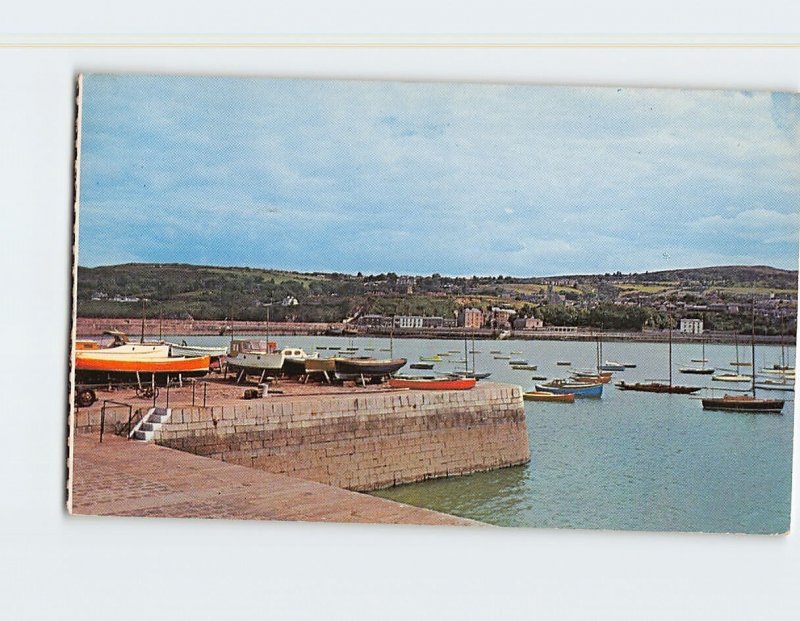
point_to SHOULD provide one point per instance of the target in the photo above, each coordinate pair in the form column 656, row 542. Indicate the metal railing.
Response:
column 103, row 414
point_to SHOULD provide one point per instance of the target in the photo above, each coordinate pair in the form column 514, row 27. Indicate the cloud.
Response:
column 435, row 177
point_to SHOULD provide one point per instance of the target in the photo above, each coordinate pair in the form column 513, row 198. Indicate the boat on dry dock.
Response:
column 96, row 368
column 367, row 368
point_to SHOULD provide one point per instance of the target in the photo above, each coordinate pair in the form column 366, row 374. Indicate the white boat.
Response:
column 128, row 349
column 255, row 356
column 183, row 349
column 610, row 365
column 731, row 377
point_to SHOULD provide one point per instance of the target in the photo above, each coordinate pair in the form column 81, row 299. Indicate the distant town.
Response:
column 692, row 301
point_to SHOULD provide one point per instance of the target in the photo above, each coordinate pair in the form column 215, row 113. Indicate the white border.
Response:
column 84, row 567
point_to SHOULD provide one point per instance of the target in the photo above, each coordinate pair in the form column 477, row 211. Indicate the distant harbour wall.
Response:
column 360, row 442
column 88, row 327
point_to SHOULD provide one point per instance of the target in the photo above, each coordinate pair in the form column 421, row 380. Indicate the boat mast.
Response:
column 141, row 340
column 391, row 339
column 268, row 306
column 473, row 351
column 753, row 346
column 466, row 355
column 670, row 351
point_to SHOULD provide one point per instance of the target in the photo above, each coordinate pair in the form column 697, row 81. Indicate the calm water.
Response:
column 627, row 461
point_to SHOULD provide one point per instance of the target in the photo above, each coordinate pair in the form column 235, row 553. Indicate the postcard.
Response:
column 434, row 303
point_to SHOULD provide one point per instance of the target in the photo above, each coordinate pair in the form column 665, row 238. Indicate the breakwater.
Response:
column 357, row 441
column 92, row 327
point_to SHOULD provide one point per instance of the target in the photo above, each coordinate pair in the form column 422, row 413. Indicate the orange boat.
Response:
column 95, row 367
column 567, row 397
column 424, row 383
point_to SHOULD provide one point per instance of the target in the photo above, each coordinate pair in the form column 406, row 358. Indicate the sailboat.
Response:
column 699, row 370
column 660, row 386
column 746, row 403
column 739, row 363
column 467, row 373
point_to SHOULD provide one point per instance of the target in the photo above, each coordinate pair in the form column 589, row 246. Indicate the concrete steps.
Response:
column 145, row 429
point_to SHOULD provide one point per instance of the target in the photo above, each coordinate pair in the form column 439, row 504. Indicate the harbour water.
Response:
column 629, row 460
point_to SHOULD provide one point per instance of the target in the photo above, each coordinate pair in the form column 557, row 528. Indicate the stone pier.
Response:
column 361, row 441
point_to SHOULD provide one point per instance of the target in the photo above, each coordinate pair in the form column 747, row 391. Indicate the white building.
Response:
column 408, row 321
column 691, row 326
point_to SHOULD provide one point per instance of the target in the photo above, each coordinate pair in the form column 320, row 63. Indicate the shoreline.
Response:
column 90, row 327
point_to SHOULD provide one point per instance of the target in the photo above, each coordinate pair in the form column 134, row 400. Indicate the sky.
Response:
column 422, row 178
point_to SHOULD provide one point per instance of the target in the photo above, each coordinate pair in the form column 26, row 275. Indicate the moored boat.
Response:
column 424, row 383
column 421, row 365
column 696, row 370
column 534, row 395
column 576, row 388
column 744, row 403
column 609, row 365
column 658, row 387
column 730, row 377
column 591, row 378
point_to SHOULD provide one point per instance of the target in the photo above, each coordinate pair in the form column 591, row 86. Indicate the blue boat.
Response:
column 561, row 387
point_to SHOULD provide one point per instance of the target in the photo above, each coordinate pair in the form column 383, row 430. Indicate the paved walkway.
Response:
column 121, row 477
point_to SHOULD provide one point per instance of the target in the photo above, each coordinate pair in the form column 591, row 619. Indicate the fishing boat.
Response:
column 658, row 387
column 294, row 360
column 367, row 368
column 254, row 357
column 629, row 365
column 524, row 367
column 746, row 403
column 564, row 363
column 95, row 368
column 421, row 365
column 517, row 362
column 319, row 365
column 539, row 378
column 578, row 389
column 502, row 357
column 434, row 358
column 441, row 383
column 609, row 365
column 730, row 377
column 534, row 395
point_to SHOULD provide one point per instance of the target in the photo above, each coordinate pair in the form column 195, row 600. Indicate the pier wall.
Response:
column 361, row 442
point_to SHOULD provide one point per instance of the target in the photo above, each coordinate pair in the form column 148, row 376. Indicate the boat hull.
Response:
column 744, row 404
column 579, row 390
column 549, row 396
column 693, row 371
column 368, row 368
column 461, row 383
column 657, row 387
column 97, row 369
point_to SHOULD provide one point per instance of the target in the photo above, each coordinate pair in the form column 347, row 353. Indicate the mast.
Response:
column 670, row 351
column 141, row 340
column 391, row 339
column 704, row 354
column 753, row 346
column 466, row 355
column 473, row 351
column 268, row 306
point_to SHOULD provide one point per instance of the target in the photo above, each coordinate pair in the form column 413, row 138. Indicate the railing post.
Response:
column 167, row 393
column 130, row 421
column 204, row 393
column 194, row 385
column 102, row 421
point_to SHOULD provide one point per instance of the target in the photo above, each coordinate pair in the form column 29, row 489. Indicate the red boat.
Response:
column 422, row 383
